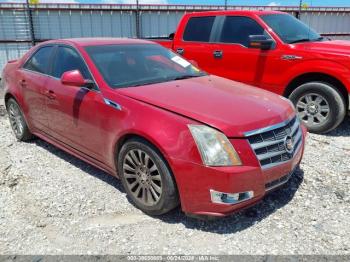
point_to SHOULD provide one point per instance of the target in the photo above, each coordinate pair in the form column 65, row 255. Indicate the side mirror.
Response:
column 171, row 36
column 75, row 78
column 260, row 42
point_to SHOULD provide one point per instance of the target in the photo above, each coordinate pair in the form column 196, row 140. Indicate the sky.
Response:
column 345, row 3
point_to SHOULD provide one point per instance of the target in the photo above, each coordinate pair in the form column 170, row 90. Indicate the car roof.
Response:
column 93, row 41
column 236, row 12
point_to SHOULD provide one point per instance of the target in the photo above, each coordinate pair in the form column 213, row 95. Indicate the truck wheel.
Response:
column 319, row 105
column 146, row 177
column 17, row 121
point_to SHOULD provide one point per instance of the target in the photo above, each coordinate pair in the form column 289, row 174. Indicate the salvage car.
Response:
column 172, row 133
column 274, row 51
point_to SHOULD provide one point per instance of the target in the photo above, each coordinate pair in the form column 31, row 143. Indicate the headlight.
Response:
column 214, row 147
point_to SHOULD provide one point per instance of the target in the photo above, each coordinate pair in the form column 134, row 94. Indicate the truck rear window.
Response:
column 198, row 29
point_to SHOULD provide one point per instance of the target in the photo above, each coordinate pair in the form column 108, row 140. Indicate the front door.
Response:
column 238, row 61
column 75, row 113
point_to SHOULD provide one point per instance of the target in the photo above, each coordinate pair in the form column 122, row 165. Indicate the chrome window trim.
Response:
column 56, row 45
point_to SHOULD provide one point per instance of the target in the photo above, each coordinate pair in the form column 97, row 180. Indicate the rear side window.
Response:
column 199, row 29
column 68, row 59
column 39, row 62
column 237, row 29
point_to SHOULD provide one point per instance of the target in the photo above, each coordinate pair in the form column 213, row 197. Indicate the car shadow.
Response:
column 82, row 165
column 231, row 224
column 342, row 130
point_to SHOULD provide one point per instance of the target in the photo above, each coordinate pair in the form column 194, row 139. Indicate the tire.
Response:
column 17, row 121
column 152, row 175
column 319, row 105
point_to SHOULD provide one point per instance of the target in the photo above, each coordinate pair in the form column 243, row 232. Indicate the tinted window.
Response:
column 198, row 29
column 39, row 62
column 290, row 29
column 135, row 65
column 237, row 29
column 68, row 59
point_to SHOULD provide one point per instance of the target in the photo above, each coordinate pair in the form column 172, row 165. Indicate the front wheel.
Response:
column 319, row 105
column 146, row 177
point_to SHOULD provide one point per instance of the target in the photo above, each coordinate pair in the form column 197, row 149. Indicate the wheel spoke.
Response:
column 153, row 168
column 133, row 156
column 308, row 99
column 318, row 100
column 129, row 168
column 320, row 117
column 301, row 105
column 131, row 161
column 310, row 120
column 302, row 114
column 128, row 175
column 146, row 160
column 156, row 187
column 156, row 177
column 137, row 191
column 154, row 194
column 324, row 108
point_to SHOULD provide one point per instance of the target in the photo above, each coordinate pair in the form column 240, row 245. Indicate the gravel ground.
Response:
column 54, row 203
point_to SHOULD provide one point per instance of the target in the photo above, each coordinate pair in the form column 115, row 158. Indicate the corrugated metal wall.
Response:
column 80, row 20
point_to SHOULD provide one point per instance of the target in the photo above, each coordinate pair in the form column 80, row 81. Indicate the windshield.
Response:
column 140, row 64
column 290, row 29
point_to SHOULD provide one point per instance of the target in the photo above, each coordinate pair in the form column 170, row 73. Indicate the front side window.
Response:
column 39, row 62
column 237, row 29
column 68, row 59
column 290, row 29
column 135, row 65
column 198, row 29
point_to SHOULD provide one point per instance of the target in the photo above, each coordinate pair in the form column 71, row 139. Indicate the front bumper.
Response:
column 196, row 182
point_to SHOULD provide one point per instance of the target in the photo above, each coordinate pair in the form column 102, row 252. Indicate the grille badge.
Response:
column 288, row 144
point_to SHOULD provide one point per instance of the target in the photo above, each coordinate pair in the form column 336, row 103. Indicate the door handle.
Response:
column 50, row 94
column 180, row 51
column 217, row 54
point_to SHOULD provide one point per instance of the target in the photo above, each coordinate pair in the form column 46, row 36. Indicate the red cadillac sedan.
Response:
column 172, row 133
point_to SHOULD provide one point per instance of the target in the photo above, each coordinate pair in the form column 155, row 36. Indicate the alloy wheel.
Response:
column 313, row 109
column 16, row 120
column 142, row 177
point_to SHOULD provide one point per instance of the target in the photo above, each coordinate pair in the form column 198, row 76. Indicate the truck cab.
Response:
column 274, row 51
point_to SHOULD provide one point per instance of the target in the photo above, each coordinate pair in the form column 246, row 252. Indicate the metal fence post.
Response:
column 30, row 21
column 137, row 14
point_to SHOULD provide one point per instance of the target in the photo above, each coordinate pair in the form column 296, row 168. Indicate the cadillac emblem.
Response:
column 288, row 144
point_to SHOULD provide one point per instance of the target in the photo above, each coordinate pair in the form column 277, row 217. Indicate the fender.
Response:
column 327, row 67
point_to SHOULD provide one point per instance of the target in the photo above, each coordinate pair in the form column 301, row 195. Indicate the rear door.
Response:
column 33, row 78
column 75, row 113
column 238, row 61
column 197, row 42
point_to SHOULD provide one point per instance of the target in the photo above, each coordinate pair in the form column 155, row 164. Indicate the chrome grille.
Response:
column 269, row 144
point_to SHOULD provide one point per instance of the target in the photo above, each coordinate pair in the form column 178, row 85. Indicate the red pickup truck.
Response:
column 274, row 51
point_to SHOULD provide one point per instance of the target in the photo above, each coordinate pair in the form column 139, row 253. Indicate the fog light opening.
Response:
column 230, row 198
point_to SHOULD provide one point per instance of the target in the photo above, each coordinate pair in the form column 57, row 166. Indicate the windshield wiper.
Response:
column 300, row 40
column 185, row 77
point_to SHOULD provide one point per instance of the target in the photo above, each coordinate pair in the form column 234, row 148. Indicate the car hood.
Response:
column 335, row 46
column 232, row 107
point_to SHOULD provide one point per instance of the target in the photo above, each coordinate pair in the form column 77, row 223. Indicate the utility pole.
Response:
column 30, row 21
column 137, row 14
column 300, row 7
column 225, row 4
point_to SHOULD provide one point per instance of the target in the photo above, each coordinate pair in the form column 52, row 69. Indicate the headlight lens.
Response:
column 214, row 147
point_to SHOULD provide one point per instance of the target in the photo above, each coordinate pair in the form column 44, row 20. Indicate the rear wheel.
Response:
column 17, row 121
column 319, row 105
column 146, row 177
